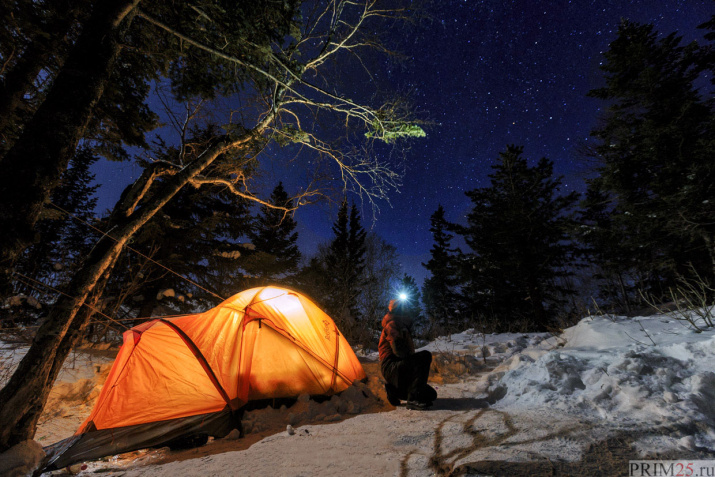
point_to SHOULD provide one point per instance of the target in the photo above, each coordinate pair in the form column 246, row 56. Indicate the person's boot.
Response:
column 417, row 406
column 392, row 394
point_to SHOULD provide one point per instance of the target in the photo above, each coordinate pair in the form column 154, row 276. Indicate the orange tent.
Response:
column 185, row 375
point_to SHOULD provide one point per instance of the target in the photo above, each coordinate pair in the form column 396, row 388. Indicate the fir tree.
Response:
column 276, row 255
column 517, row 230
column 440, row 293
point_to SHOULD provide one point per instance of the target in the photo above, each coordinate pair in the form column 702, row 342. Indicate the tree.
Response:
column 196, row 251
column 345, row 262
column 379, row 275
column 52, row 132
column 276, row 255
column 655, row 146
column 64, row 239
column 440, row 292
column 408, row 286
column 518, row 232
column 97, row 88
column 279, row 79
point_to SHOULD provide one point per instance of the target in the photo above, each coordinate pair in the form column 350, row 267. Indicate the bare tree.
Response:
column 290, row 92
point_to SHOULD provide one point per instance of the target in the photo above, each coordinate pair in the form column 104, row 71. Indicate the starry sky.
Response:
column 489, row 73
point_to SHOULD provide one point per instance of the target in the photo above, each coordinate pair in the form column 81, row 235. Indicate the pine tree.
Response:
column 440, row 293
column 518, row 232
column 276, row 255
column 656, row 145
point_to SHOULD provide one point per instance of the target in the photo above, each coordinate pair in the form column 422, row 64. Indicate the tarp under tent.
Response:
column 188, row 375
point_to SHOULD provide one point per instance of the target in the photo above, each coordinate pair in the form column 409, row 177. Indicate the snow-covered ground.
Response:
column 584, row 402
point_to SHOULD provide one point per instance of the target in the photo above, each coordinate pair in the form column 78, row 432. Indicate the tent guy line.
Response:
column 105, row 234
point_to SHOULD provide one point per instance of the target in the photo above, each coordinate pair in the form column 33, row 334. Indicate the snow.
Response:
column 166, row 293
column 21, row 459
column 633, row 371
column 74, row 392
column 604, row 391
column 19, row 300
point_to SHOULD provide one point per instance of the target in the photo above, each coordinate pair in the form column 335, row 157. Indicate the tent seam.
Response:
column 201, row 358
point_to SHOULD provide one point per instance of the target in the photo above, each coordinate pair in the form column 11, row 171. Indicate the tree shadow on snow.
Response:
column 608, row 457
column 459, row 404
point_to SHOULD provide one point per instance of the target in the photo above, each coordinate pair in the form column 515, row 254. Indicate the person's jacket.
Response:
column 395, row 339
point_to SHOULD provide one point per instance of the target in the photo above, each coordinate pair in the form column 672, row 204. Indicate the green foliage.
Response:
column 392, row 131
column 337, row 277
column 201, row 234
column 291, row 135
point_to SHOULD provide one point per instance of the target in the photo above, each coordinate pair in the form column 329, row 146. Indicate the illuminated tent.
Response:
column 186, row 375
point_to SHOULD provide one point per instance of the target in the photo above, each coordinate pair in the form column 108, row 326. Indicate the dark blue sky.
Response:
column 487, row 73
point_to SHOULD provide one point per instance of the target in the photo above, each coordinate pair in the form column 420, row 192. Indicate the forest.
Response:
column 196, row 93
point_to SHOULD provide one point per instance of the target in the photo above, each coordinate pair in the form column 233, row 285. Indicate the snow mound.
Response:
column 354, row 400
column 609, row 369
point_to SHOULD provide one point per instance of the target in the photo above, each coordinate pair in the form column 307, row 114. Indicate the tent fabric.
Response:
column 266, row 342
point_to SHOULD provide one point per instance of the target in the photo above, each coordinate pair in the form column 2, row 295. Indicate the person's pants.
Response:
column 409, row 376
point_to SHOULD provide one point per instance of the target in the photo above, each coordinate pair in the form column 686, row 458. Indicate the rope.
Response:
column 138, row 252
column 66, row 295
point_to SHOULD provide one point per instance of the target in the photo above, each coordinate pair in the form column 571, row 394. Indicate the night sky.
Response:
column 488, row 73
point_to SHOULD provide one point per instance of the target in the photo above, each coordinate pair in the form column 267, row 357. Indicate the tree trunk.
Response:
column 25, row 395
column 33, row 165
column 710, row 244
column 537, row 304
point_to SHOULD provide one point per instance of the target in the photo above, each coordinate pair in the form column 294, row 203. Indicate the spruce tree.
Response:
column 356, row 246
column 63, row 240
column 411, row 302
column 518, row 232
column 345, row 263
column 655, row 143
column 276, row 256
column 440, row 290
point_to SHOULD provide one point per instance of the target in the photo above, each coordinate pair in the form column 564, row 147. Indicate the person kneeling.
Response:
column 405, row 371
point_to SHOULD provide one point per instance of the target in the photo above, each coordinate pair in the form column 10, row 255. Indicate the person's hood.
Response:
column 399, row 320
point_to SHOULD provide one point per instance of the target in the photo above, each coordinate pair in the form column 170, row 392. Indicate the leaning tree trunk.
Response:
column 33, row 165
column 25, row 395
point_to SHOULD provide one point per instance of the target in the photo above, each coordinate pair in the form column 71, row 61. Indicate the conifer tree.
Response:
column 408, row 286
column 356, row 246
column 655, row 144
column 276, row 256
column 440, row 293
column 344, row 263
column 518, row 232
column 377, row 288
column 63, row 240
